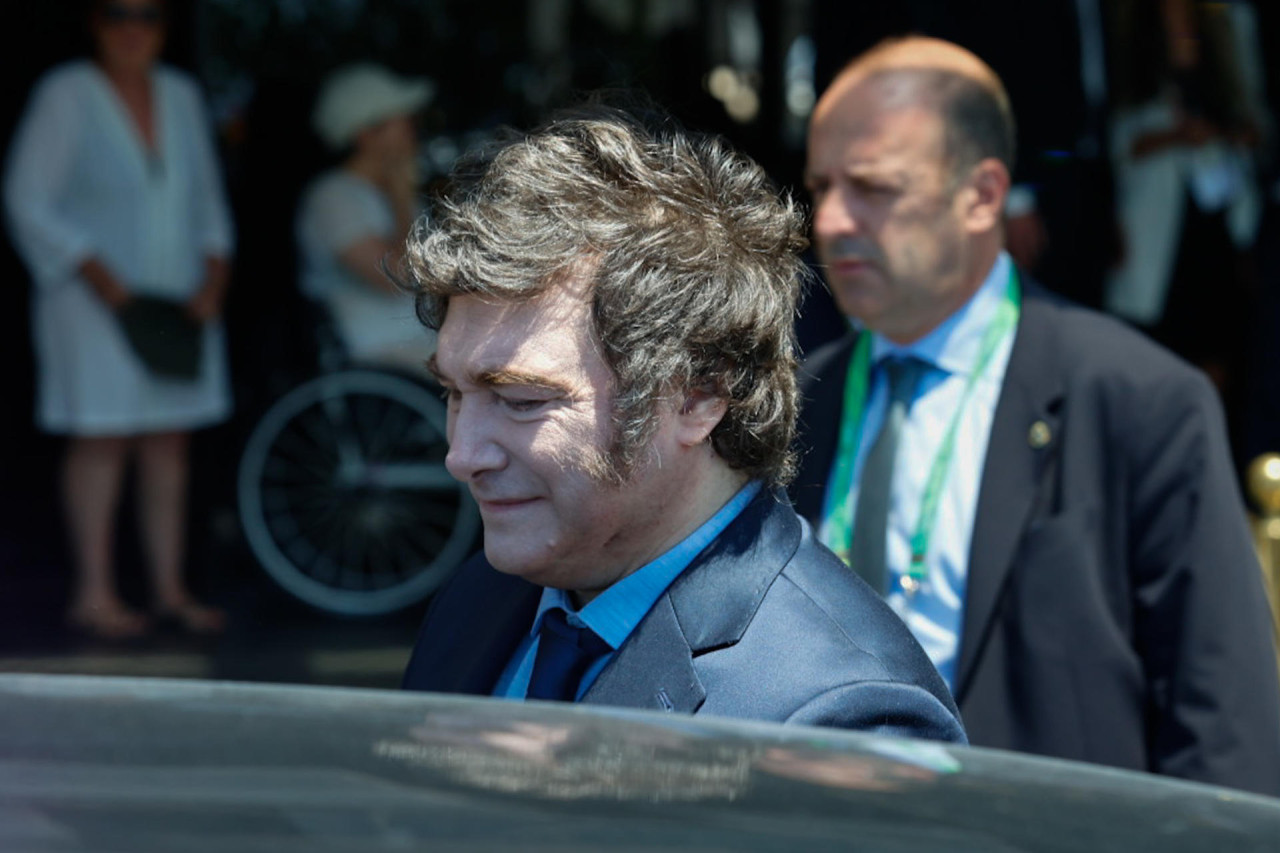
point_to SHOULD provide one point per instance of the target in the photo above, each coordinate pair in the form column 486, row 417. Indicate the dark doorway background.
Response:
column 748, row 69
column 260, row 63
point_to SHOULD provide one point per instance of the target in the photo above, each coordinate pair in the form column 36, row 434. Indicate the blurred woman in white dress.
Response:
column 113, row 193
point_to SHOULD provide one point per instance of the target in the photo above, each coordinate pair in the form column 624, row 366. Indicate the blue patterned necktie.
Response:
column 563, row 657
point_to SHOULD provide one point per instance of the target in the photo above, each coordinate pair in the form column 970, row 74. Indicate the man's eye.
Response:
column 871, row 188
column 450, row 395
column 519, row 404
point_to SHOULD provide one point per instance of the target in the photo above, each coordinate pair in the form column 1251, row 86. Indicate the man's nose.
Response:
column 835, row 215
column 473, row 445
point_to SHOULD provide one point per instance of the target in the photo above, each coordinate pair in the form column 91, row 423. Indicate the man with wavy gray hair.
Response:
column 614, row 300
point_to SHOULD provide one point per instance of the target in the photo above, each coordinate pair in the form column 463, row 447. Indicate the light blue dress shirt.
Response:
column 616, row 612
column 935, row 613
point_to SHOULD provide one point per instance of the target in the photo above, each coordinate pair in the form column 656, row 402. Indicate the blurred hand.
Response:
column 400, row 178
column 115, row 295
column 1248, row 134
column 206, row 305
column 104, row 284
column 1192, row 129
column 1196, row 130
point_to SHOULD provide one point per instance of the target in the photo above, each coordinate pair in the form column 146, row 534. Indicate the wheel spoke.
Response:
column 352, row 492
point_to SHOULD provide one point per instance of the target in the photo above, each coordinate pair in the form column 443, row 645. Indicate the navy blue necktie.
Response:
column 564, row 655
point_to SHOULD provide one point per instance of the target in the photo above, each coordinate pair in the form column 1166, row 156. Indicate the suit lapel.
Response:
column 1030, row 401
column 653, row 669
column 708, row 607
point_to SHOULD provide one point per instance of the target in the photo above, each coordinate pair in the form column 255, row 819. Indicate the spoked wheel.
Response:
column 344, row 496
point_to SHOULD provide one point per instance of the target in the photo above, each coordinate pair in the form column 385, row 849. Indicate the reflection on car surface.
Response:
column 150, row 765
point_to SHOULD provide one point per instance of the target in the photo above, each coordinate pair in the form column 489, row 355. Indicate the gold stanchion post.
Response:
column 1264, row 487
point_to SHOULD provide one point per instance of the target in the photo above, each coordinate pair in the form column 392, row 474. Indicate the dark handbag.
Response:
column 162, row 336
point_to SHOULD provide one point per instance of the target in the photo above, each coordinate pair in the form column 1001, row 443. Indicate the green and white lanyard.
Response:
column 839, row 517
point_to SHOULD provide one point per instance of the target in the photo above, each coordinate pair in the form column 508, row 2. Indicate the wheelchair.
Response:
column 343, row 494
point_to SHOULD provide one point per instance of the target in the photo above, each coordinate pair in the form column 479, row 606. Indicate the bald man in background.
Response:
column 1043, row 495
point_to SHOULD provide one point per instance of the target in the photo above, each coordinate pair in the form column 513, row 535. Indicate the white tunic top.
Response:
column 338, row 210
column 81, row 183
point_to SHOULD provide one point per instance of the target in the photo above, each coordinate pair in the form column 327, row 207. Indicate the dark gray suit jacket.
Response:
column 765, row 624
column 1115, row 612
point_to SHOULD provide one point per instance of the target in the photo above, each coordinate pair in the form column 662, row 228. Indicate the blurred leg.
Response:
column 162, row 512
column 92, row 477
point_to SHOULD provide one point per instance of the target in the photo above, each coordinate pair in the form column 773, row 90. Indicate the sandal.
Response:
column 113, row 622
column 194, row 618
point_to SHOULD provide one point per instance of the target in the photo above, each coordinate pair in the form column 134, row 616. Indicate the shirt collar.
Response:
column 953, row 345
column 616, row 612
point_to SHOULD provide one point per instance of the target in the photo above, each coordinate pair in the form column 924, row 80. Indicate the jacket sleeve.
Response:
column 883, row 707
column 212, row 215
column 1201, row 623
column 40, row 165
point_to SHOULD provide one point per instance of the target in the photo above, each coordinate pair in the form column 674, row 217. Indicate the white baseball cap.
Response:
column 354, row 97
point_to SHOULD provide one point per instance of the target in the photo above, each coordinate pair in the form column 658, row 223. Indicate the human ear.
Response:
column 700, row 413
column 983, row 195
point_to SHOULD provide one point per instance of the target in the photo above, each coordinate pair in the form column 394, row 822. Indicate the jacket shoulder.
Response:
column 846, row 606
column 1094, row 343
column 863, row 667
column 64, row 82
column 472, row 626
column 829, row 357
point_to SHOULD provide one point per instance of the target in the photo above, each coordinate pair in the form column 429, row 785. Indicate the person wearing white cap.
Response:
column 354, row 218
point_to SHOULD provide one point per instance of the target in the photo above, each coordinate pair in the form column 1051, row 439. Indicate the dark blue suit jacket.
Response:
column 765, row 624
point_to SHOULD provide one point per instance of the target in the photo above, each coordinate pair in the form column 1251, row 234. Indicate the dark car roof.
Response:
column 150, row 764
